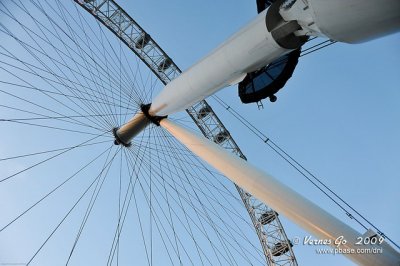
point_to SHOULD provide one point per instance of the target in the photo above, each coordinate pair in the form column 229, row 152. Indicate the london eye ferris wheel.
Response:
column 71, row 196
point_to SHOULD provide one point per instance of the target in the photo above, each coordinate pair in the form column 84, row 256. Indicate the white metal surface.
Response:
column 248, row 50
column 351, row 21
column 253, row 47
column 280, row 197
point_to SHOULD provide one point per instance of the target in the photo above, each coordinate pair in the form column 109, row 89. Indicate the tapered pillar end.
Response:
column 118, row 140
column 123, row 135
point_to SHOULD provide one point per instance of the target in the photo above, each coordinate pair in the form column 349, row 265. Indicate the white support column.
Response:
column 248, row 50
column 280, row 197
column 254, row 45
column 349, row 21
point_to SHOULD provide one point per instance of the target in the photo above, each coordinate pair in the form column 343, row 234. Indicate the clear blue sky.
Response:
column 339, row 116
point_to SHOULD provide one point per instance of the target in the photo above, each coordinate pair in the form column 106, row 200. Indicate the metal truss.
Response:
column 275, row 244
column 274, row 241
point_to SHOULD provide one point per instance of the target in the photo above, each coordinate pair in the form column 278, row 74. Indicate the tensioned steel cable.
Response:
column 302, row 170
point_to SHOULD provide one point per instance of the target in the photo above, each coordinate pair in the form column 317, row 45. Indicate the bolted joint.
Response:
column 154, row 119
